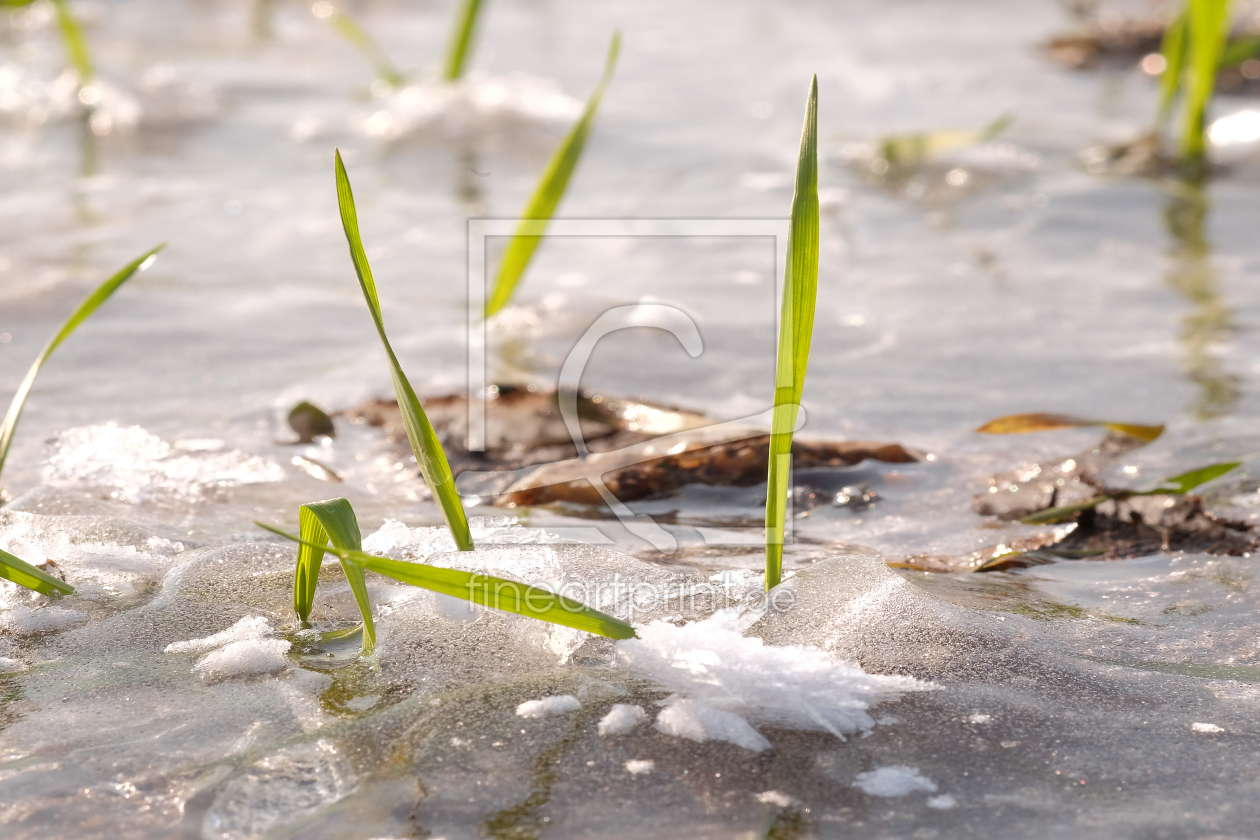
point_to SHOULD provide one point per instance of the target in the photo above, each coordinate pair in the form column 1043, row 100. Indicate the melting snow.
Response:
column 558, row 705
column 252, row 656
column 621, row 718
column 250, row 627
column 896, row 780
column 699, row 722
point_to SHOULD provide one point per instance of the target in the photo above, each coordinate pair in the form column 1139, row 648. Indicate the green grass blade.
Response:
column 1173, row 49
column 1057, row 514
column 796, row 329
column 1186, row 482
column 24, row 574
column 487, row 590
column 547, row 195
column 1209, row 28
column 321, row 522
column 76, row 45
column 306, row 576
column 424, row 441
column 461, row 39
column 345, row 26
column 81, row 314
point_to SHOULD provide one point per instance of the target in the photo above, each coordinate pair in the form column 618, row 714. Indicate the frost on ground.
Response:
column 253, row 656
column 547, row 706
column 24, row 621
column 896, row 780
column 621, row 718
column 722, row 671
column 638, row 767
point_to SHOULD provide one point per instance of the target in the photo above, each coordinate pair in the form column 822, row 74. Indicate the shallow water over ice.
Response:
column 173, row 694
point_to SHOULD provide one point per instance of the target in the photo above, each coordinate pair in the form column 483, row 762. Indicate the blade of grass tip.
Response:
column 1057, row 514
column 547, row 195
column 345, row 26
column 487, row 590
column 76, row 45
column 1173, row 49
column 1186, row 482
column 24, row 574
column 424, row 441
column 81, row 314
column 333, row 520
column 461, row 39
column 1209, row 27
column 796, row 329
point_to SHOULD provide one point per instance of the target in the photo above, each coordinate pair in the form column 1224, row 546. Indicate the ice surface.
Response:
column 252, row 656
column 621, row 718
column 250, row 627
column 135, row 464
column 897, row 780
column 699, row 722
column 547, row 706
column 788, row 685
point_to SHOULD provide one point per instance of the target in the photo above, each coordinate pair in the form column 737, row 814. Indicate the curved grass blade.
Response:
column 85, row 309
column 321, row 522
column 424, row 441
column 1186, row 482
column 547, row 195
column 345, row 26
column 487, row 590
column 1049, row 516
column 796, row 329
column 1018, row 424
column 76, row 45
column 1208, row 31
column 24, row 574
column 461, row 39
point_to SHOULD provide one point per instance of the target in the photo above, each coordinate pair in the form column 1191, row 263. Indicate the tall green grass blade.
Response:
column 547, row 195
column 1173, row 49
column 796, row 330
column 1208, row 30
column 334, row 521
column 24, row 574
column 1057, row 514
column 345, row 26
column 424, row 441
column 85, row 309
column 76, row 45
column 487, row 590
column 1186, row 482
column 461, row 39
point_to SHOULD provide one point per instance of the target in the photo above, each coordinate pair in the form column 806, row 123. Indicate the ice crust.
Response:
column 251, row 656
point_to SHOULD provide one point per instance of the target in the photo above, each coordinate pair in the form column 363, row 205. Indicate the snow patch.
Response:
column 699, row 722
column 789, row 685
column 638, row 767
column 943, row 802
column 621, row 718
column 251, row 656
column 1206, row 727
column 250, row 627
column 558, row 705
column 896, row 780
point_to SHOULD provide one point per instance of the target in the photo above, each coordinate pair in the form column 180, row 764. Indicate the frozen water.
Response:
column 621, row 718
column 943, row 802
column 897, row 780
column 24, row 620
column 638, row 767
column 545, row 707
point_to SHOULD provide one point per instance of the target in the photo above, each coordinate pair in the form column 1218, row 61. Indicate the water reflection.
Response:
column 1210, row 323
